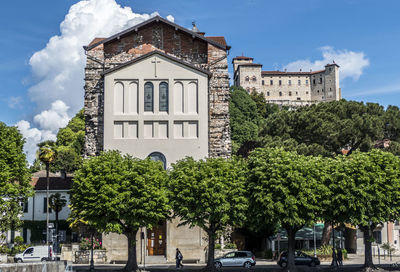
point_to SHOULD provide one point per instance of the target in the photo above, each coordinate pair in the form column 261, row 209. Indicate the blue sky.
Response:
column 363, row 34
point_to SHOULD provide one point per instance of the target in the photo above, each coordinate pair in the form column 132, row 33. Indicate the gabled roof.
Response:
column 156, row 52
column 55, row 183
column 158, row 19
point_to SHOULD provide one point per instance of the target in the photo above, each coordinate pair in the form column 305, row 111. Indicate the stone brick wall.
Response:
column 219, row 129
column 158, row 36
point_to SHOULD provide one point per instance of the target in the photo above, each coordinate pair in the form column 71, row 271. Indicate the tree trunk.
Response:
column 326, row 234
column 291, row 232
column 211, row 250
column 131, row 265
column 368, row 262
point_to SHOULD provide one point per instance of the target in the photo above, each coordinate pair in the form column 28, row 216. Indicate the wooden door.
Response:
column 156, row 240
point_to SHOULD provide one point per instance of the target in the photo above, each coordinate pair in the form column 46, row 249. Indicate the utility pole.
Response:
column 47, row 211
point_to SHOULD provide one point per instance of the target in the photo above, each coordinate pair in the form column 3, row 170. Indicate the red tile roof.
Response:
column 95, row 40
column 218, row 39
column 243, row 58
column 290, row 73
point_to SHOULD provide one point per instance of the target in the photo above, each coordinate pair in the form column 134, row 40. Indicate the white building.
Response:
column 285, row 87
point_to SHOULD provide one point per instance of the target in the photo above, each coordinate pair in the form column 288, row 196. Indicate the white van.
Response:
column 33, row 254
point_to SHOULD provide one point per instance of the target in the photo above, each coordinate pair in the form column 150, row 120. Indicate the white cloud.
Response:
column 170, row 18
column 33, row 136
column 58, row 69
column 386, row 89
column 54, row 118
column 15, row 102
column 351, row 63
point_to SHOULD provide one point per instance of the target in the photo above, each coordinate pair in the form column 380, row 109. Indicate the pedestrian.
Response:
column 178, row 258
column 340, row 256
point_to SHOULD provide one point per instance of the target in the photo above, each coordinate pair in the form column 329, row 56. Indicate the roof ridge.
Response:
column 156, row 18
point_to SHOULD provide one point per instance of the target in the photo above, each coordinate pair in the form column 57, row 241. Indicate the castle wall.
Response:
column 292, row 91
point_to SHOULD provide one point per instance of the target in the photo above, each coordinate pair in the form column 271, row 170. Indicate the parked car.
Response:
column 236, row 258
column 33, row 254
column 300, row 258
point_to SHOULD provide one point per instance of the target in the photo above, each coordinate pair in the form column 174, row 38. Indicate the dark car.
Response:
column 300, row 258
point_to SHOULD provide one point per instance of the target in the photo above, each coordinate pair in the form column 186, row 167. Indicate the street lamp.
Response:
column 91, row 253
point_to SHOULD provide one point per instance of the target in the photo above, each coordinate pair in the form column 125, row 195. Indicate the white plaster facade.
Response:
column 288, row 88
column 132, row 130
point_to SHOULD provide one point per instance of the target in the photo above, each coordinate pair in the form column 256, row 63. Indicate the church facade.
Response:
column 158, row 90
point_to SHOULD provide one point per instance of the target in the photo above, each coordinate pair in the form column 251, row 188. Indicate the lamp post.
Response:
column 91, row 253
column 315, row 243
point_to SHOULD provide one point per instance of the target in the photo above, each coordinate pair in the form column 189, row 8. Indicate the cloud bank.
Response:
column 351, row 63
column 58, row 69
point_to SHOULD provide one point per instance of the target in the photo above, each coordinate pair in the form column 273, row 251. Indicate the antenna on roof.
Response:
column 300, row 69
column 333, row 61
column 285, row 70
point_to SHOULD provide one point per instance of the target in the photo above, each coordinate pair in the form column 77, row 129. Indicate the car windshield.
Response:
column 29, row 251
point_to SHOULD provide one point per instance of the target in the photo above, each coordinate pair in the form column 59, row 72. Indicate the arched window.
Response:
column 163, row 96
column 254, row 78
column 254, row 89
column 290, row 93
column 157, row 156
column 148, row 96
column 247, row 78
column 267, row 93
column 280, row 93
column 248, row 89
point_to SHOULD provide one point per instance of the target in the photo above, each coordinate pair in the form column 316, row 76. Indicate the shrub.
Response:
column 86, row 244
column 18, row 240
column 217, row 246
column 230, row 246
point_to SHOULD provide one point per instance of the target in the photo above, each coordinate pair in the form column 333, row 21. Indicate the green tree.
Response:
column 285, row 188
column 365, row 191
column 57, row 202
column 14, row 177
column 264, row 109
column 68, row 159
column 120, row 194
column 330, row 126
column 244, row 117
column 209, row 194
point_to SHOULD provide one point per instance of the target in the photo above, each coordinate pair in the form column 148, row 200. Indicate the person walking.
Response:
column 178, row 258
column 340, row 256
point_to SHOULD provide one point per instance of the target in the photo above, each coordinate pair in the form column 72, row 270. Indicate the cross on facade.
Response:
column 155, row 61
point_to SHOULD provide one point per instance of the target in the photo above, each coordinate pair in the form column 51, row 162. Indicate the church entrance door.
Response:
column 156, row 240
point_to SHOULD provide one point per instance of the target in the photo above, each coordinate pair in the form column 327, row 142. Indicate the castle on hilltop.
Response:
column 288, row 88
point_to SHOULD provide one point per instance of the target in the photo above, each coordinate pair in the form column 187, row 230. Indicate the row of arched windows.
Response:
column 247, row 78
column 162, row 97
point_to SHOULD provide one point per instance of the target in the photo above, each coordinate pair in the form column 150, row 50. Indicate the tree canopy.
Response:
column 14, row 177
column 120, row 194
column 209, row 194
column 285, row 188
column 327, row 128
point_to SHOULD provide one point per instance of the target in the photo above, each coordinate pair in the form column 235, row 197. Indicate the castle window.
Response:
column 159, row 157
column 163, row 96
column 317, row 91
column 254, row 78
column 297, row 93
column 320, row 80
column 306, row 92
column 330, row 69
column 148, row 96
column 298, row 98
column 299, row 82
column 290, row 82
column 271, row 82
column 280, row 93
column 306, row 81
column 262, row 82
column 290, row 93
column 247, row 78
column 267, row 93
column 314, row 81
column 280, row 82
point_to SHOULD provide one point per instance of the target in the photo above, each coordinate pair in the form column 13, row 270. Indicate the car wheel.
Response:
column 247, row 265
column 312, row 264
column 218, row 265
column 19, row 260
column 43, row 260
column 283, row 264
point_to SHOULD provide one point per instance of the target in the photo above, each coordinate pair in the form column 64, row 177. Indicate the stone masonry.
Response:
column 158, row 34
